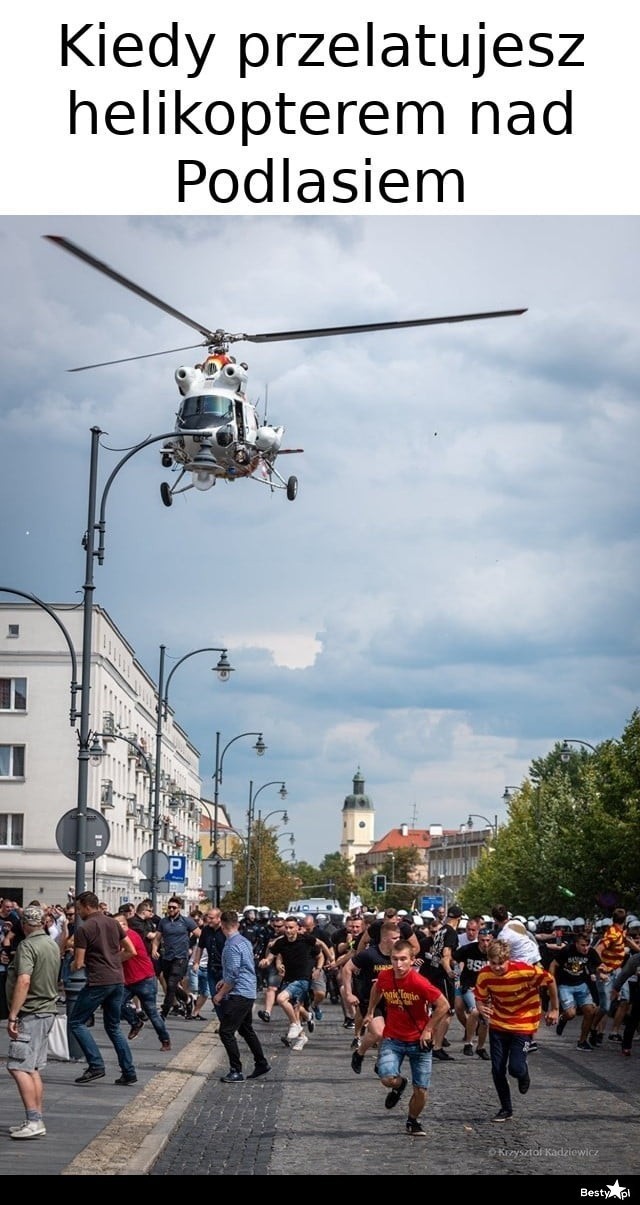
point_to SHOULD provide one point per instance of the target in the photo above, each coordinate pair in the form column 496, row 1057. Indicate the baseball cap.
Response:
column 33, row 915
column 454, row 910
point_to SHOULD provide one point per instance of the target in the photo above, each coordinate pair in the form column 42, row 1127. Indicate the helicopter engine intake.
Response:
column 236, row 375
column 185, row 377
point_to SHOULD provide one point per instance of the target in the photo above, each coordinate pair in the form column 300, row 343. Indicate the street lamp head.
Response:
column 223, row 669
column 565, row 752
column 96, row 751
column 285, row 818
column 470, row 822
column 283, row 792
column 260, row 746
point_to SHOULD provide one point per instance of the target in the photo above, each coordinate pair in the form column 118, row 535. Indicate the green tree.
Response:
column 573, row 827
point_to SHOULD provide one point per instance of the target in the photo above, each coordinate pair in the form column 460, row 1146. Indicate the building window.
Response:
column 11, row 828
column 11, row 761
column 13, row 694
column 13, row 631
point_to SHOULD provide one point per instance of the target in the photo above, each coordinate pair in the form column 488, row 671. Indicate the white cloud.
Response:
column 455, row 586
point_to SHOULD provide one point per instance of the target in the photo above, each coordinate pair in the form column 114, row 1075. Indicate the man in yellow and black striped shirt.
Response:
column 508, row 997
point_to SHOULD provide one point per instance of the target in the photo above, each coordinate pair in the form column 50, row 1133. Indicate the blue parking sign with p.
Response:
column 177, row 871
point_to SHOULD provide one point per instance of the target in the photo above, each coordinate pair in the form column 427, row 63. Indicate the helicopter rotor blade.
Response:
column 321, row 332
column 100, row 266
column 146, row 356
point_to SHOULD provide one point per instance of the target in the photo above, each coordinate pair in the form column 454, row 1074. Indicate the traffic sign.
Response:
column 98, row 834
column 146, row 864
column 177, row 869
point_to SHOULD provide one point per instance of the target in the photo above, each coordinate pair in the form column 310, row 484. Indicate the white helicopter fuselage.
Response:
column 214, row 404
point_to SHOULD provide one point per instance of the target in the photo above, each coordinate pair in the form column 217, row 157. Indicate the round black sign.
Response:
column 98, row 834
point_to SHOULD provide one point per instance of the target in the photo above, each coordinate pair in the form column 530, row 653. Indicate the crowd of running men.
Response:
column 401, row 982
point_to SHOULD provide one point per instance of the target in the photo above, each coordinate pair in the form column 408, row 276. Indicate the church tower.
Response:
column 357, row 822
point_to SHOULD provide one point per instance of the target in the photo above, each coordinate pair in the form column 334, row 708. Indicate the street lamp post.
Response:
column 260, row 749
column 565, row 751
column 250, row 815
column 96, row 754
column 492, row 824
column 223, row 670
column 89, row 545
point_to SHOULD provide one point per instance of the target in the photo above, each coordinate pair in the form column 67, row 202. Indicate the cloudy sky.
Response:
column 455, row 587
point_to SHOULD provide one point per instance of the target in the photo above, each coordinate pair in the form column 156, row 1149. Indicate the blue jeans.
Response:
column 146, row 991
column 508, row 1052
column 110, row 998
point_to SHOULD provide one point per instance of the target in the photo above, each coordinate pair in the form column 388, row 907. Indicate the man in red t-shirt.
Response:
column 140, row 980
column 408, row 1030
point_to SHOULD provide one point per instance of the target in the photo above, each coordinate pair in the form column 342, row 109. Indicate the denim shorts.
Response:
column 574, row 996
column 467, row 997
column 391, row 1055
column 297, row 990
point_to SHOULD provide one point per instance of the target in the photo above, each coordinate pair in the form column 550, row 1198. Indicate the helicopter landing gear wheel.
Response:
column 165, row 493
column 292, row 488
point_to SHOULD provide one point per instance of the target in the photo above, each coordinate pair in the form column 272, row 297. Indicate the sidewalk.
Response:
column 102, row 1129
column 311, row 1114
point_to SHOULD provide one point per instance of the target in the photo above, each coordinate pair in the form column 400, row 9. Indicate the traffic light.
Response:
column 380, row 883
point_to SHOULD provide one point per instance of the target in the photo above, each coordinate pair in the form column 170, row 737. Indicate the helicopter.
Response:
column 219, row 433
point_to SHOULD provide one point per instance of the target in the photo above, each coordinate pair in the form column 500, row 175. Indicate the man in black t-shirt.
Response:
column 298, row 954
column 574, row 968
column 438, row 968
column 471, row 958
column 358, row 976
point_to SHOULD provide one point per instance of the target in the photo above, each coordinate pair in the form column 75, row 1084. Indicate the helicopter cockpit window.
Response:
column 210, row 405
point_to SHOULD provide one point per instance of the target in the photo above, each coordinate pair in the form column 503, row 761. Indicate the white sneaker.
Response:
column 30, row 1129
column 299, row 1043
column 294, row 1031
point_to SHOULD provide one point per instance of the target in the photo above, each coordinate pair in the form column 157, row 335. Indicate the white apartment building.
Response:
column 39, row 767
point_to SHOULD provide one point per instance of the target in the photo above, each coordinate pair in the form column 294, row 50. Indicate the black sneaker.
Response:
column 90, row 1074
column 524, row 1083
column 584, row 1046
column 442, row 1056
column 264, row 1015
column 414, row 1129
column 348, row 1023
column 445, row 1043
column 593, row 1038
column 311, row 1021
column 232, row 1077
column 355, row 1042
column 356, row 1062
column 468, row 1048
column 482, row 1054
column 392, row 1097
column 560, row 1026
column 123, row 1081
column 502, row 1115
column 532, row 1048
column 258, row 1070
